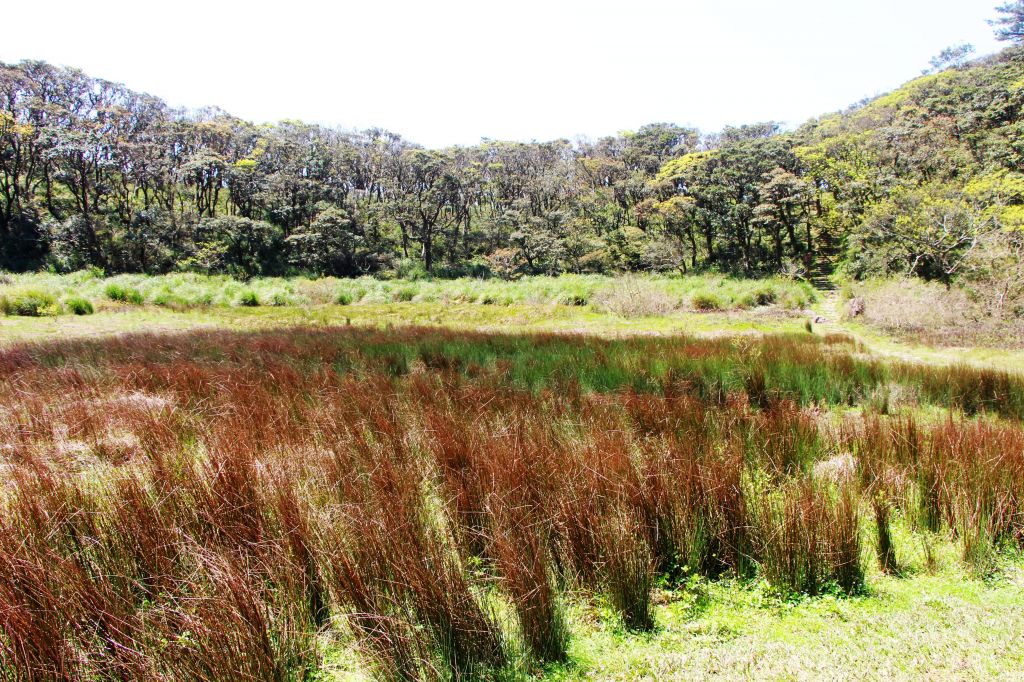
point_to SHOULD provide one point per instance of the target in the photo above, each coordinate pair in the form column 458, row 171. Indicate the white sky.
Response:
column 451, row 72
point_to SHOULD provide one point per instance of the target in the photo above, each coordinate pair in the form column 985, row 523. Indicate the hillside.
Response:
column 917, row 176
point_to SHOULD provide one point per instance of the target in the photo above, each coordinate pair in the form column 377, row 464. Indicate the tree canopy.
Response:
column 912, row 182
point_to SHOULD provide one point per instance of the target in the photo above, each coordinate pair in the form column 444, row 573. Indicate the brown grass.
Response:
column 205, row 505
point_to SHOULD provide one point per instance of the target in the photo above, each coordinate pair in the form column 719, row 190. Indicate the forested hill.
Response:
column 915, row 178
column 919, row 181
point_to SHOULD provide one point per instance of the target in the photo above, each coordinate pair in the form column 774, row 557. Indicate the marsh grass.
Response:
column 207, row 505
column 629, row 296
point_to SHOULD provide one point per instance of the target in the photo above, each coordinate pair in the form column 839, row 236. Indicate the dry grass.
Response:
column 932, row 313
column 633, row 297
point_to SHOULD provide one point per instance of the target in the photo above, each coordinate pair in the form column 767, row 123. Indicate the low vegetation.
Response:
column 28, row 303
column 218, row 504
column 630, row 296
column 965, row 314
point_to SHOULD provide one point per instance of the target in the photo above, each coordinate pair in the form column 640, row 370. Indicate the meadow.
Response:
column 409, row 502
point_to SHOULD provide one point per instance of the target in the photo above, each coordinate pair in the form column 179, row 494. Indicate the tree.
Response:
column 995, row 272
column 1010, row 26
column 927, row 232
column 92, row 173
column 783, row 199
column 424, row 197
column 332, row 244
column 648, row 148
column 235, row 246
column 951, row 57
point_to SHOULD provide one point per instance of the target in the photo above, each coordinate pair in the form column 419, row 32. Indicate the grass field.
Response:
column 634, row 296
column 450, row 490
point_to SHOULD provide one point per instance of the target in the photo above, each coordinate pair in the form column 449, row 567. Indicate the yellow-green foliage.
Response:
column 28, row 303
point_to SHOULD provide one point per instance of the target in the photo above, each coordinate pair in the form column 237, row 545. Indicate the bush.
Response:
column 249, row 299
column 404, row 294
column 706, row 301
column 633, row 298
column 29, row 303
column 344, row 298
column 78, row 305
column 764, row 295
column 122, row 294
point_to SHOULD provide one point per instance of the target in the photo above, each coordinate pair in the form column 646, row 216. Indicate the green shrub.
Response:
column 764, row 295
column 574, row 298
column 29, row 303
column 280, row 299
column 122, row 294
column 404, row 294
column 78, row 305
column 344, row 298
column 170, row 299
column 249, row 299
column 705, row 301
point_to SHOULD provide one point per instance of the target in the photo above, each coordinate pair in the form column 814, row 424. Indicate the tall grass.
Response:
column 629, row 296
column 206, row 505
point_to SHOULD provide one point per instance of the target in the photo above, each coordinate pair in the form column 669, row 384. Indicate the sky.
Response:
column 452, row 72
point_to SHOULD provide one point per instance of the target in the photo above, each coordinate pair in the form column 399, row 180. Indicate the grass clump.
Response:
column 77, row 305
column 760, row 295
column 633, row 298
column 810, row 538
column 29, row 303
column 249, row 299
column 706, row 301
column 404, row 294
column 124, row 294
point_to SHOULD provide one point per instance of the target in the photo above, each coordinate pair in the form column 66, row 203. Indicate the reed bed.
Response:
column 211, row 505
